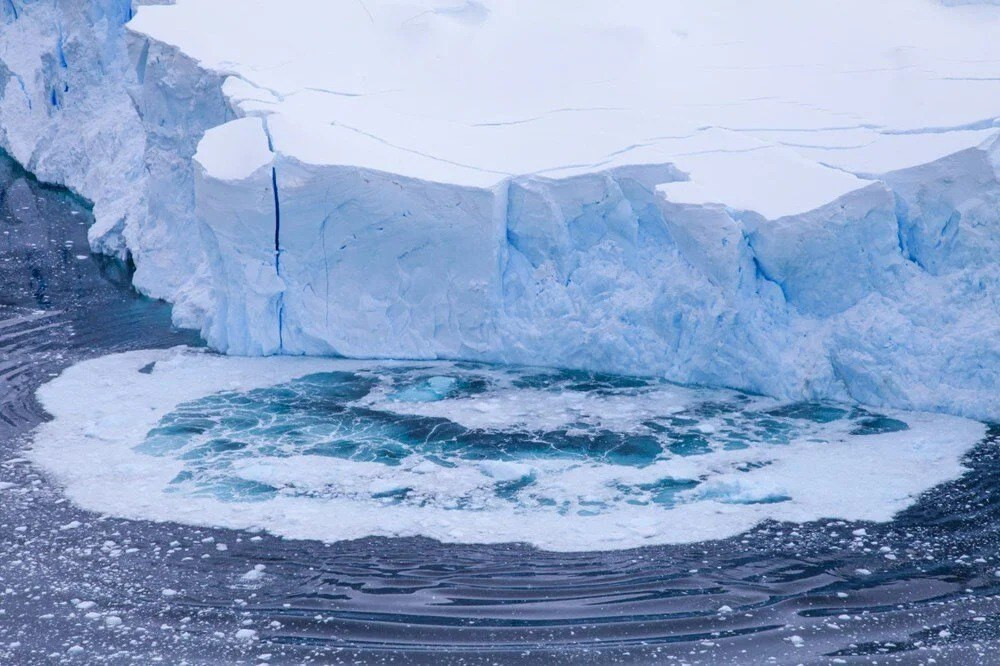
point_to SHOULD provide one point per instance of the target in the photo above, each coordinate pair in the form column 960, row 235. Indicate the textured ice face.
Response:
column 565, row 460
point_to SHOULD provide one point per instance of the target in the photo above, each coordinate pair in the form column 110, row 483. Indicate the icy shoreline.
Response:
column 861, row 264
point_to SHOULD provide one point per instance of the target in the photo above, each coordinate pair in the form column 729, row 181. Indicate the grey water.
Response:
column 78, row 587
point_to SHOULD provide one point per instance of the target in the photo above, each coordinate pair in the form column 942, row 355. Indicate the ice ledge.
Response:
column 874, row 296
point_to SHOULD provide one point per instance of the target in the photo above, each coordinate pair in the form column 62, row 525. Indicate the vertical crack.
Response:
column 277, row 257
column 60, row 51
column 277, row 238
column 24, row 89
column 277, row 221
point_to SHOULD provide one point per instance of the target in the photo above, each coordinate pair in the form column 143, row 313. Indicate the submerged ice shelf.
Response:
column 703, row 192
column 336, row 449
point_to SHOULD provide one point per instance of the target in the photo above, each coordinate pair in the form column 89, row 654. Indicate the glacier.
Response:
column 709, row 194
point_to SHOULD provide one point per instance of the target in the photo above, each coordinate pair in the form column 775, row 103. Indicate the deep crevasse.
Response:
column 887, row 294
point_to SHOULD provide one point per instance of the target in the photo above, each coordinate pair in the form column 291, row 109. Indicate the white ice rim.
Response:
column 89, row 447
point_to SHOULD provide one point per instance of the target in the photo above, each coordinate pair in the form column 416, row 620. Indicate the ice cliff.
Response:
column 789, row 198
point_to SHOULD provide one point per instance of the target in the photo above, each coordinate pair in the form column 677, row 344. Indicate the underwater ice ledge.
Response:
column 872, row 297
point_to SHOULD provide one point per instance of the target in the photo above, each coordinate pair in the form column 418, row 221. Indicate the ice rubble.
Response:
column 115, row 456
column 794, row 199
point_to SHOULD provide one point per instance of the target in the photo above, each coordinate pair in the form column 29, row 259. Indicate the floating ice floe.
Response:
column 565, row 460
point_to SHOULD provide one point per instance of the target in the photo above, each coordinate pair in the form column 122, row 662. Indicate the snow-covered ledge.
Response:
column 711, row 192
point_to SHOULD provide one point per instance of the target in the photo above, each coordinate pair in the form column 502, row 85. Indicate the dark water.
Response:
column 167, row 593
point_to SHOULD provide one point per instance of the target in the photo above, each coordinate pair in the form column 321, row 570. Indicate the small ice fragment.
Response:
column 254, row 574
column 505, row 471
column 246, row 634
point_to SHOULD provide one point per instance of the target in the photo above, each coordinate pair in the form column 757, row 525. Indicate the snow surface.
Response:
column 235, row 150
column 799, row 199
column 827, row 472
column 471, row 93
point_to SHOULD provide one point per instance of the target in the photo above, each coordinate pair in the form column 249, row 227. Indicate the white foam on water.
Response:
column 103, row 409
column 537, row 409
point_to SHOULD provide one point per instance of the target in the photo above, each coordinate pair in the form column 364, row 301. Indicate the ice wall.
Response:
column 316, row 211
column 115, row 120
column 65, row 112
column 888, row 295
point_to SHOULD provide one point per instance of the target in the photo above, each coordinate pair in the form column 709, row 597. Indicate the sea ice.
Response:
column 320, row 448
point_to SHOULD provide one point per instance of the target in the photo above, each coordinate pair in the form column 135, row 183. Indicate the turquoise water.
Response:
column 601, row 422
